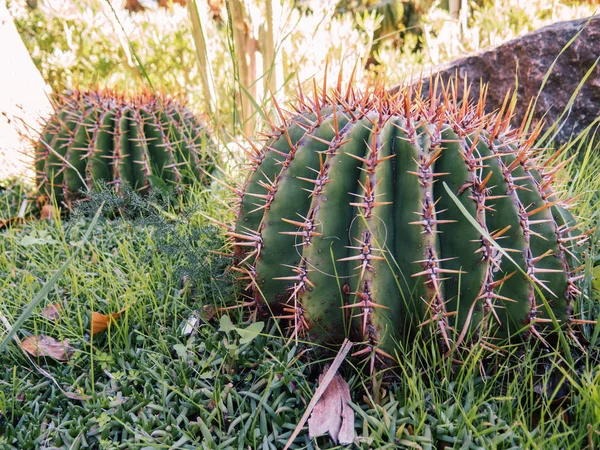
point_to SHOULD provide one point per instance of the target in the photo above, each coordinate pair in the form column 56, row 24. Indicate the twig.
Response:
column 337, row 362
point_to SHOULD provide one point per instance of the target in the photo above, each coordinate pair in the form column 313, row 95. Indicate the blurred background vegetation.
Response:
column 226, row 57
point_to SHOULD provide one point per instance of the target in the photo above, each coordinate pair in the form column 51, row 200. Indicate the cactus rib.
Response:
column 346, row 229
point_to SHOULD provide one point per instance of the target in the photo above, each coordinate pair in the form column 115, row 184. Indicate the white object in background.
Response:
column 23, row 101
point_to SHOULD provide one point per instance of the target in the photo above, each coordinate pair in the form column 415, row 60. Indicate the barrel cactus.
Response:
column 105, row 136
column 375, row 216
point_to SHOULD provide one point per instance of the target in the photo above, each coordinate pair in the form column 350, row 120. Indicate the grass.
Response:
column 153, row 381
column 149, row 383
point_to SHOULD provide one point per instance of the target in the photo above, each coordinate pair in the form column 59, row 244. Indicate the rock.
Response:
column 530, row 57
column 23, row 100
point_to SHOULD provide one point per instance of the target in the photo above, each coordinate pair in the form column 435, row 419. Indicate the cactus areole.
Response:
column 105, row 136
column 374, row 217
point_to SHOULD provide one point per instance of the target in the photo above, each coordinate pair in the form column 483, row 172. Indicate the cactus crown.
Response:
column 358, row 218
column 105, row 136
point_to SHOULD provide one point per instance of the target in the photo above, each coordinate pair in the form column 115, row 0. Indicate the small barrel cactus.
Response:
column 104, row 136
column 375, row 216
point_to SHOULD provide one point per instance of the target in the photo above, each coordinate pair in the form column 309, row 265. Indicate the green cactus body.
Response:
column 106, row 137
column 346, row 227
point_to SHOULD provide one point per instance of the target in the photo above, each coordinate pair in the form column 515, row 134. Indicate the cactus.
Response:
column 104, row 136
column 377, row 216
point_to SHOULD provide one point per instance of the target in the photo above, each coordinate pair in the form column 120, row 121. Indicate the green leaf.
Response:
column 41, row 238
column 250, row 333
column 207, row 375
column 225, row 324
column 181, row 350
column 158, row 183
column 596, row 278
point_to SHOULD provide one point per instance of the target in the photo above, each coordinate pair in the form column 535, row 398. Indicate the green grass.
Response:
column 144, row 384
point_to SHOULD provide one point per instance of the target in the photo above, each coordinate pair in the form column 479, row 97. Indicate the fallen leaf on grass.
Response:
column 324, row 382
column 43, row 345
column 209, row 312
column 100, row 322
column 49, row 212
column 13, row 222
column 332, row 414
column 190, row 324
column 53, row 311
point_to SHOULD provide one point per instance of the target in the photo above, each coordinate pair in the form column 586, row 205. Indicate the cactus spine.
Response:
column 96, row 136
column 345, row 226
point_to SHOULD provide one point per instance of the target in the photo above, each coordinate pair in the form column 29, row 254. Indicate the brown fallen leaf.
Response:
column 332, row 414
column 43, row 345
column 209, row 312
column 14, row 222
column 52, row 311
column 48, row 212
column 100, row 322
column 324, row 382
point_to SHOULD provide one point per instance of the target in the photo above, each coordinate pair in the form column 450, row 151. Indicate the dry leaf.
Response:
column 12, row 221
column 48, row 346
column 75, row 396
column 100, row 321
column 209, row 312
column 48, row 212
column 189, row 325
column 332, row 414
column 324, row 381
column 53, row 311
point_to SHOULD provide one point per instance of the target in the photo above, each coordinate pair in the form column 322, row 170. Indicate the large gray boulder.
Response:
column 528, row 59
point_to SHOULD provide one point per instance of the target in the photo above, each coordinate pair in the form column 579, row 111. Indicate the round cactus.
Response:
column 105, row 136
column 375, row 216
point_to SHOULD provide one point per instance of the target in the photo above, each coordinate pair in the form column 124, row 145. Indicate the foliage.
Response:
column 82, row 44
column 164, row 375
column 488, row 23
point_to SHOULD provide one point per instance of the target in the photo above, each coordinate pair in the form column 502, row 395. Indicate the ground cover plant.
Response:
column 172, row 372
column 127, row 330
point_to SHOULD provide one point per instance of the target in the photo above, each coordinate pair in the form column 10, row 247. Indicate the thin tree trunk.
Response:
column 454, row 9
column 267, row 47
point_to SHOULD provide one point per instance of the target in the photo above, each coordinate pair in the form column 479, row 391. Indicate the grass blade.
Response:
column 12, row 331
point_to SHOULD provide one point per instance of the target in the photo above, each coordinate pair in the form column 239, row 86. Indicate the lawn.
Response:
column 170, row 372
column 153, row 350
